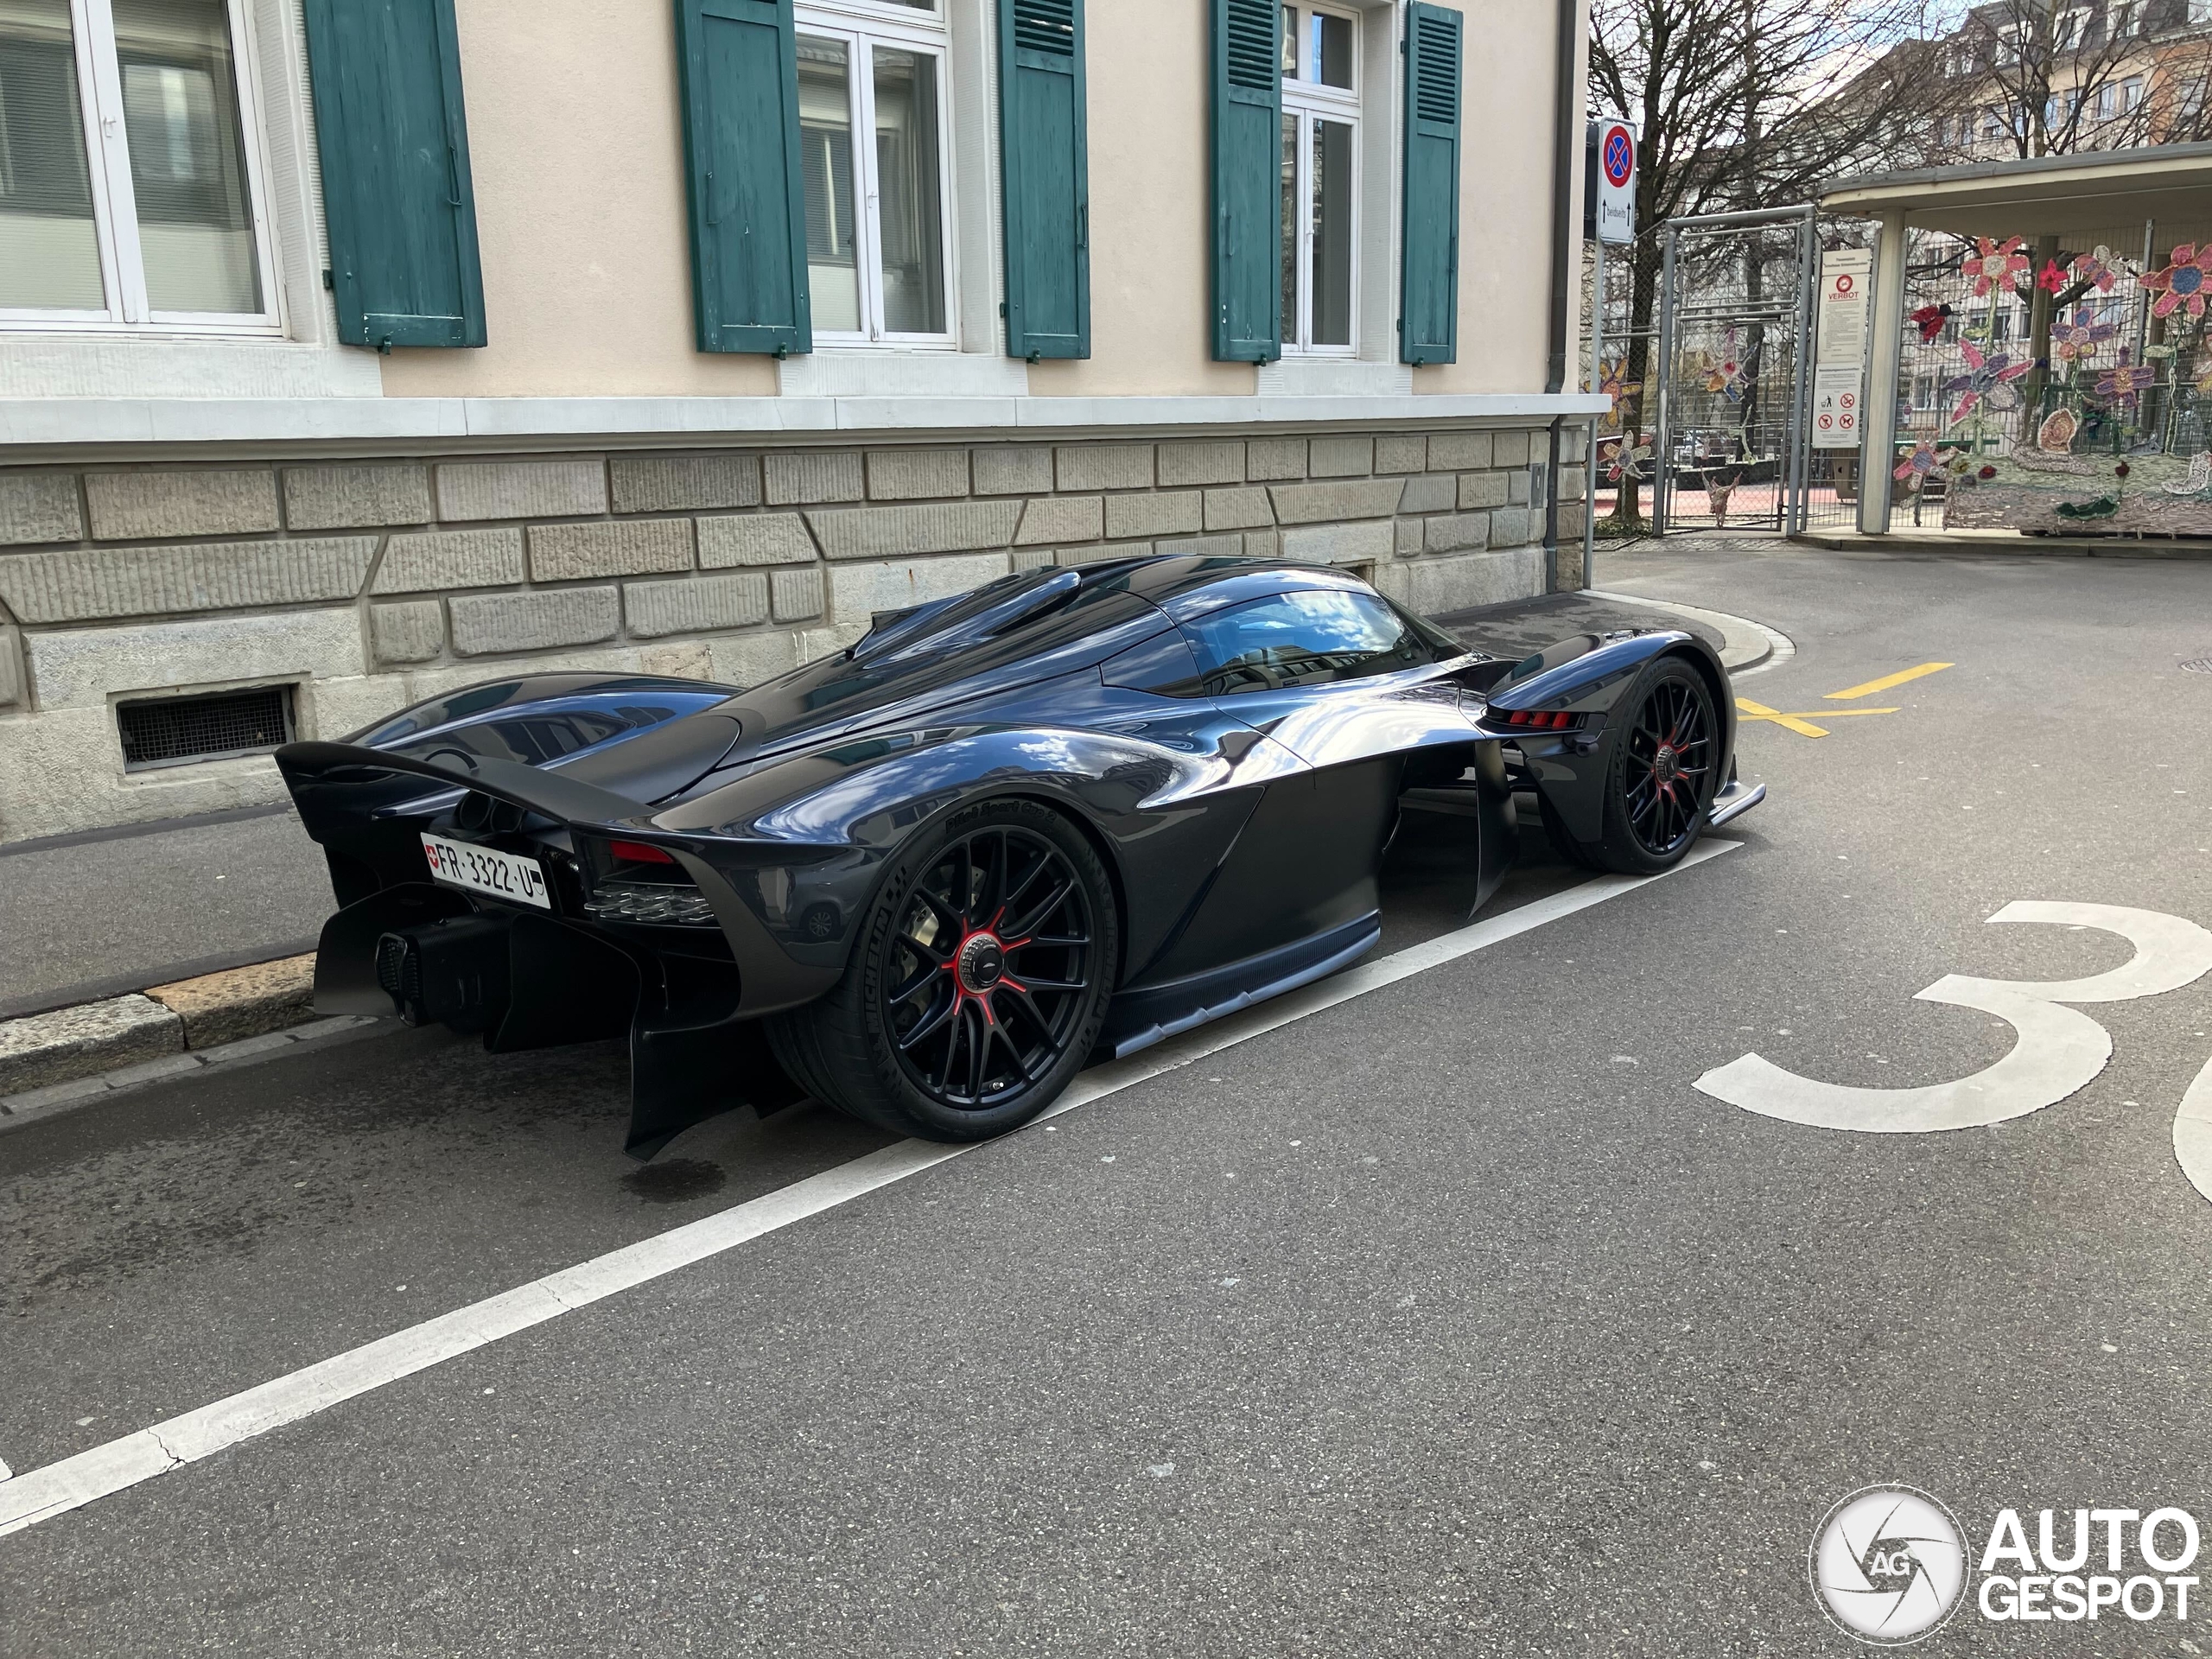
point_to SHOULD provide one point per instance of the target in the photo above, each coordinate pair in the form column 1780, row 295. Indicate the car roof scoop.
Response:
column 965, row 621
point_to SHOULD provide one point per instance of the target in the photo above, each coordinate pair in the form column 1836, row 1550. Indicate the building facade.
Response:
column 351, row 350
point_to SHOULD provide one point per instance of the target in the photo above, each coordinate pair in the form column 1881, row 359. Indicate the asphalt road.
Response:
column 1447, row 1319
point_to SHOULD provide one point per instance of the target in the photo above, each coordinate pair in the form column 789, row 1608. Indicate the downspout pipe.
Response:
column 1567, row 123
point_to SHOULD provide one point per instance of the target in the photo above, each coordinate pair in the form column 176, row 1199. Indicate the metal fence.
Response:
column 2057, row 384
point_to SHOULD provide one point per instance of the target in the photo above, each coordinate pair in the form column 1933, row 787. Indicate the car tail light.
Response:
column 639, row 852
column 1532, row 720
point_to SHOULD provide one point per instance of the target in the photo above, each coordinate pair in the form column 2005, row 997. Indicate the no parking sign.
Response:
column 1611, row 193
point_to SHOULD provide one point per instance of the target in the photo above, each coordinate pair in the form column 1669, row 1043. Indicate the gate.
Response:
column 1729, row 447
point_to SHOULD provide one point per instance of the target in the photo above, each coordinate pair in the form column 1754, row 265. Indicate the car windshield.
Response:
column 1312, row 638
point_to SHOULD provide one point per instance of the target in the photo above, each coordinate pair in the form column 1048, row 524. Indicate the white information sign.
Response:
column 1836, row 396
column 1616, row 181
column 1847, row 275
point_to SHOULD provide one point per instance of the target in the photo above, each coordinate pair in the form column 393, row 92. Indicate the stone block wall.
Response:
column 367, row 585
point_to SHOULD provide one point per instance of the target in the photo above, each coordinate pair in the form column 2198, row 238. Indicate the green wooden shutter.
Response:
column 1428, row 297
column 1044, row 170
column 747, row 202
column 1247, row 99
column 395, row 190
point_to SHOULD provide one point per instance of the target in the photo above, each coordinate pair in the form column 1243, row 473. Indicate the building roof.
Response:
column 2092, row 190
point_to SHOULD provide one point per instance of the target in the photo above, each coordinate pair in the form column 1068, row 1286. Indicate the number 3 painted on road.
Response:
column 2058, row 1051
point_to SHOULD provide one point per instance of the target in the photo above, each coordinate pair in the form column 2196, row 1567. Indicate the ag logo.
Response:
column 1889, row 1565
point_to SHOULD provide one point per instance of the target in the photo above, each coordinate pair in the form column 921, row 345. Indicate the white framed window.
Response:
column 2069, row 28
column 2126, row 18
column 878, row 245
column 131, row 192
column 1320, row 180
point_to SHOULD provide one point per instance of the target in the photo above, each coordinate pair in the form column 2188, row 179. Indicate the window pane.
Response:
column 49, row 250
column 1331, row 233
column 1290, row 42
column 825, row 137
column 1290, row 224
column 1332, row 50
column 1307, row 638
column 908, row 206
column 187, row 156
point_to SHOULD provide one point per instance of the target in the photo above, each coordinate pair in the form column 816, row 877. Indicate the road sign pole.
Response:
column 1590, row 449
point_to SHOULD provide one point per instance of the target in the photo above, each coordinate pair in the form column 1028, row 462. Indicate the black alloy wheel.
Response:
column 1663, row 750
column 1668, row 764
column 990, row 967
column 977, row 987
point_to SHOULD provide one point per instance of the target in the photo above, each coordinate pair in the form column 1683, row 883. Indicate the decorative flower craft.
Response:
column 1988, row 380
column 1612, row 380
column 2124, row 383
column 2183, row 283
column 1725, row 372
column 1996, row 262
column 2050, row 278
column 2079, row 336
column 2097, row 269
column 1925, row 458
column 1622, row 458
column 1930, row 318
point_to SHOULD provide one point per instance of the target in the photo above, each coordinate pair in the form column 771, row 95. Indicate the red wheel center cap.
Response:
column 981, row 965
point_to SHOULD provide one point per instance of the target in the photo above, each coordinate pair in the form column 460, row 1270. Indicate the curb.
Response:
column 175, row 1026
column 33, row 1104
column 1745, row 645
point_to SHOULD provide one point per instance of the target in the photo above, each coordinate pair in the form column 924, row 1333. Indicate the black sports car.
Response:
column 928, row 879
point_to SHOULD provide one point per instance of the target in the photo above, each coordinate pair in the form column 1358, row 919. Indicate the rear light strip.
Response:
column 1530, row 720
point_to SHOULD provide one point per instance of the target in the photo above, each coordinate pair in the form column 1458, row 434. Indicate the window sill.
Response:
column 894, row 371
column 1301, row 375
column 138, row 367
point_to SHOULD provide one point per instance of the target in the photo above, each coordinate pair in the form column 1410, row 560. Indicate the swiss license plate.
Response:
column 503, row 876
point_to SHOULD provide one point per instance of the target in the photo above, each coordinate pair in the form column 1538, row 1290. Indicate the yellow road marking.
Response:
column 1797, row 720
column 1886, row 681
column 1791, row 723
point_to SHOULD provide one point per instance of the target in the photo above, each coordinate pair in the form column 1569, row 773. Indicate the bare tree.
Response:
column 2036, row 77
column 1749, row 103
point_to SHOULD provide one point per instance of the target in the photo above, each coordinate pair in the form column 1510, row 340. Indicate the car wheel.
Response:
column 1662, row 769
column 977, row 986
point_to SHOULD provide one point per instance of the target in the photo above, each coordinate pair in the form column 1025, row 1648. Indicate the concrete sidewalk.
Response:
column 109, row 911
column 105, row 911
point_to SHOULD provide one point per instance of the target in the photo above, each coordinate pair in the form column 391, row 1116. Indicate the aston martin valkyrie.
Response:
column 927, row 878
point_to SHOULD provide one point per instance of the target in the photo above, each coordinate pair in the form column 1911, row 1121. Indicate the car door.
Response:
column 1335, row 679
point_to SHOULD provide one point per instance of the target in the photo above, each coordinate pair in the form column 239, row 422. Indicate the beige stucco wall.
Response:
column 1505, row 187
column 1149, row 283
column 577, row 154
column 578, row 160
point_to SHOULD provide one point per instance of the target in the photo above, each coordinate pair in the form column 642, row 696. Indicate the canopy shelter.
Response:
column 2019, row 431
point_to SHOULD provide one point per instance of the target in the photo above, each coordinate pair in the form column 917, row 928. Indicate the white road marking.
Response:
column 41, row 1493
column 2058, row 1051
column 2193, row 1132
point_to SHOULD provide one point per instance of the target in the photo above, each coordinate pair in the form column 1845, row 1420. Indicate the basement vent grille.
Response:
column 177, row 731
